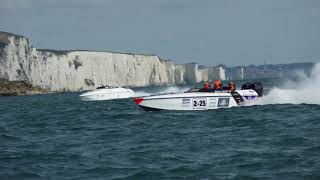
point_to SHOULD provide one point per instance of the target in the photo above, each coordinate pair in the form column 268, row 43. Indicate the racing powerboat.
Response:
column 195, row 99
column 107, row 93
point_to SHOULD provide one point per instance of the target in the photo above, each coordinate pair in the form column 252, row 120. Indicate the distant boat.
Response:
column 107, row 93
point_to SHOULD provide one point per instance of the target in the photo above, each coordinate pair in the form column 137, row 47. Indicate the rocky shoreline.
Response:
column 19, row 88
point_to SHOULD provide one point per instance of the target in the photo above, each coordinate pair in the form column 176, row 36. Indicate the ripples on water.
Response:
column 58, row 136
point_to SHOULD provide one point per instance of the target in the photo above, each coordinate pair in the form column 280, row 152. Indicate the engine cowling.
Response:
column 257, row 86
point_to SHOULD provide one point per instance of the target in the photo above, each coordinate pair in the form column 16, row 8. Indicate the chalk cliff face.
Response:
column 15, row 57
column 211, row 73
column 235, row 73
column 85, row 70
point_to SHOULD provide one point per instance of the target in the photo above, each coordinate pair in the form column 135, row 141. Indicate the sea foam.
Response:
column 304, row 91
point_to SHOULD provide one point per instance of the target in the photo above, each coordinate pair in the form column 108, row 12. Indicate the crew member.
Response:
column 217, row 85
column 231, row 86
column 206, row 87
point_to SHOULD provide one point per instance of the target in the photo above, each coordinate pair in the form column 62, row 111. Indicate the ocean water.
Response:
column 58, row 136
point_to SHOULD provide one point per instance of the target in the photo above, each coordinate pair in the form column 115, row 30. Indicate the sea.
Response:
column 58, row 136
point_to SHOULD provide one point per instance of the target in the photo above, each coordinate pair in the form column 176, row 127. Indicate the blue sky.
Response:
column 210, row 32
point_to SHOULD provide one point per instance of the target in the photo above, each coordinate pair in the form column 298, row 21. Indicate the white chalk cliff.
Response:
column 85, row 70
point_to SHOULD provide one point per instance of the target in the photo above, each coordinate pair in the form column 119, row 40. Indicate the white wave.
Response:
column 306, row 90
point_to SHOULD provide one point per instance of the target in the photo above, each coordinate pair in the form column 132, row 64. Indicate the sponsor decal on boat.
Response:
column 199, row 103
column 186, row 101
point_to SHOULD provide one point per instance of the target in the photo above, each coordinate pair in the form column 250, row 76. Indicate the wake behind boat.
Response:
column 107, row 93
column 202, row 99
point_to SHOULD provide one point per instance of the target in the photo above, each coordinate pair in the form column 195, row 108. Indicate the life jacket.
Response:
column 206, row 85
column 217, row 85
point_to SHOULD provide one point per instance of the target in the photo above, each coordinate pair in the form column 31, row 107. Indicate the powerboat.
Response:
column 107, row 93
column 195, row 99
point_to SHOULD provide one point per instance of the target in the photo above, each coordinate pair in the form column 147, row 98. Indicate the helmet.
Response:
column 217, row 84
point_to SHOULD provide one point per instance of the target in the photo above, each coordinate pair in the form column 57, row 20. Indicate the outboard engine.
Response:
column 257, row 86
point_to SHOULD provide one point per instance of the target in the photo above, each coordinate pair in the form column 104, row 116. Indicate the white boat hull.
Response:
column 107, row 94
column 187, row 101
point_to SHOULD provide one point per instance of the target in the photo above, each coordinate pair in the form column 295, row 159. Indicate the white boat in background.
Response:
column 107, row 93
column 195, row 99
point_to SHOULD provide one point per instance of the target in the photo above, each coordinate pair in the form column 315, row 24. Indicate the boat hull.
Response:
column 107, row 94
column 187, row 101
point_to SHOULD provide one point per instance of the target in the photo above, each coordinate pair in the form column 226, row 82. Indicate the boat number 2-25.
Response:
column 199, row 103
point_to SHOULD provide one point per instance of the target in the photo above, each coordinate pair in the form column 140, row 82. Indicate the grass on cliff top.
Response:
column 4, row 37
column 64, row 52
